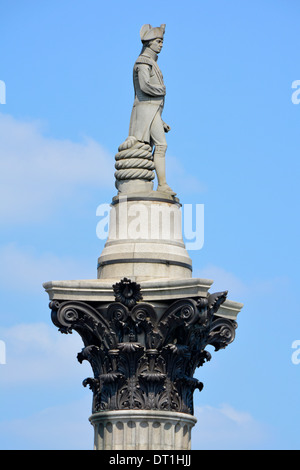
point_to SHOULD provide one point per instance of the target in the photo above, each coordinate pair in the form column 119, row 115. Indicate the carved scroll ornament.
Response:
column 140, row 361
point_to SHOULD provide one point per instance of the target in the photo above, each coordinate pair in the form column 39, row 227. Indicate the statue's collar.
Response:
column 150, row 53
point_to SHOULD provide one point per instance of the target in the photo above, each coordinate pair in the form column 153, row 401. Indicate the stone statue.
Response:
column 146, row 129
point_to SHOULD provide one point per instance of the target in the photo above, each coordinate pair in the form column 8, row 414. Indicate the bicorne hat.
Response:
column 148, row 33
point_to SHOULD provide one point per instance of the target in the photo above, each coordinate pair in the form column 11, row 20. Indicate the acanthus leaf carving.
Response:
column 138, row 360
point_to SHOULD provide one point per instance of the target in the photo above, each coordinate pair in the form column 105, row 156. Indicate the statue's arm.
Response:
column 151, row 89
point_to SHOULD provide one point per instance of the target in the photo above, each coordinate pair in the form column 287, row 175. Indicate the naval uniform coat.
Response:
column 149, row 90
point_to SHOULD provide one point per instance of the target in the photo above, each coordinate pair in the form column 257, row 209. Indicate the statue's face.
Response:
column 156, row 45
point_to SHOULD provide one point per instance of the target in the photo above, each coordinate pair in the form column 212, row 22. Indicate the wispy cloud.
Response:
column 227, row 428
column 25, row 270
column 38, row 172
column 223, row 280
column 61, row 427
column 36, row 353
column 41, row 361
column 239, row 289
column 181, row 179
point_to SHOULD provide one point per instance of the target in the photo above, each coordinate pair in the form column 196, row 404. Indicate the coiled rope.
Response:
column 134, row 160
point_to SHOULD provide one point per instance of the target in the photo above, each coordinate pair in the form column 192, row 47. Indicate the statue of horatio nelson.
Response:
column 146, row 124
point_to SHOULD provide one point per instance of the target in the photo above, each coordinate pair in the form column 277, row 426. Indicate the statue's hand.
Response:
column 166, row 127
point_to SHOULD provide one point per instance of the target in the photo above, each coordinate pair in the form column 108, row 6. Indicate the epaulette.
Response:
column 143, row 59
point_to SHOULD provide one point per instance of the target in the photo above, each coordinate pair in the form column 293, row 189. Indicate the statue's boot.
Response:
column 160, row 167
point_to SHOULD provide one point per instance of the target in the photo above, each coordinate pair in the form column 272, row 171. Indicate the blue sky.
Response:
column 234, row 147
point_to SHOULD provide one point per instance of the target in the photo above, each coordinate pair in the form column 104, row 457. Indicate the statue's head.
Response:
column 153, row 37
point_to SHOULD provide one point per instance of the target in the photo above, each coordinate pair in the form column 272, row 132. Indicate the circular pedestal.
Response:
column 145, row 240
column 142, row 430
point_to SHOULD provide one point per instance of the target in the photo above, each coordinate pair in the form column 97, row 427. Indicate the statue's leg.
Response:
column 160, row 167
column 159, row 140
